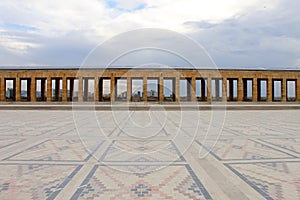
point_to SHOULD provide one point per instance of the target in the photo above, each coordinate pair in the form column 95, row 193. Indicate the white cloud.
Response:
column 233, row 27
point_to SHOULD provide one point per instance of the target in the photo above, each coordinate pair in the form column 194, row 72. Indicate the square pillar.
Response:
column 49, row 89
column 177, row 89
column 283, row 90
column 254, row 90
column 224, row 90
column 80, row 89
column 161, row 89
column 193, row 88
column 96, row 89
column 2, row 89
column 129, row 86
column 145, row 88
column 298, row 90
column 18, row 89
column 240, row 93
column 209, row 89
column 32, row 83
column 112, row 89
column 64, row 89
column 270, row 90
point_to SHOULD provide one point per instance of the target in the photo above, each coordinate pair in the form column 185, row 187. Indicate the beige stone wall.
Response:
column 65, row 74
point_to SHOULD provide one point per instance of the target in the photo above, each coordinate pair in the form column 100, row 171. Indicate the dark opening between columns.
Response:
column 152, row 89
column 25, row 89
column 137, row 89
column 10, row 89
column 277, row 89
column 247, row 89
column 201, row 89
column 41, row 89
column 262, row 85
column 104, row 89
column 121, row 89
column 169, row 89
column 291, row 86
column 232, row 89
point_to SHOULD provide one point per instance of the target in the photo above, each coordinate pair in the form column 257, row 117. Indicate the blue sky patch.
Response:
column 17, row 27
column 115, row 5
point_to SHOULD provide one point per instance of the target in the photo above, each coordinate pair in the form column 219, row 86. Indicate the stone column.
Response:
column 298, row 89
column 283, row 90
column 129, row 88
column 193, row 89
column 240, row 89
column 96, row 89
column 224, row 90
column 49, row 89
column 254, row 90
column 64, row 89
column 112, row 89
column 80, row 89
column 209, row 89
column 270, row 90
column 18, row 89
column 32, row 89
column 177, row 89
column 161, row 89
column 2, row 89
column 145, row 89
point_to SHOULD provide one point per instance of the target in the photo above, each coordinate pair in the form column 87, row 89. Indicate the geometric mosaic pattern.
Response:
column 292, row 144
column 273, row 180
column 141, row 151
column 42, row 156
column 55, row 150
column 246, row 149
column 34, row 181
column 174, row 182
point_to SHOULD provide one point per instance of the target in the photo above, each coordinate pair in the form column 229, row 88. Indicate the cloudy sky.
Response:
column 235, row 33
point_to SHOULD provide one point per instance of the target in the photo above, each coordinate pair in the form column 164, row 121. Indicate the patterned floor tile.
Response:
column 7, row 142
column 292, row 144
column 273, row 180
column 141, row 151
column 244, row 149
column 34, row 181
column 53, row 150
column 174, row 182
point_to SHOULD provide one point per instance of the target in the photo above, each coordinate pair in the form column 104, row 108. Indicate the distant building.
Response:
column 9, row 93
column 123, row 94
column 152, row 93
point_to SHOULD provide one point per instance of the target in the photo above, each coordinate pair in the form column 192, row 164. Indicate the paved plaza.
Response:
column 152, row 154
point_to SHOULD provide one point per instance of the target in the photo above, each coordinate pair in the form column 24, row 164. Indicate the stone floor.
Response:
column 150, row 154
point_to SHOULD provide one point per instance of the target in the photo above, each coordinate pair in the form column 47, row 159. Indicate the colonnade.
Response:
column 166, row 85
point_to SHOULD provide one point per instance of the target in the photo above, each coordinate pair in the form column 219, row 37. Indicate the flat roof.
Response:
column 139, row 68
